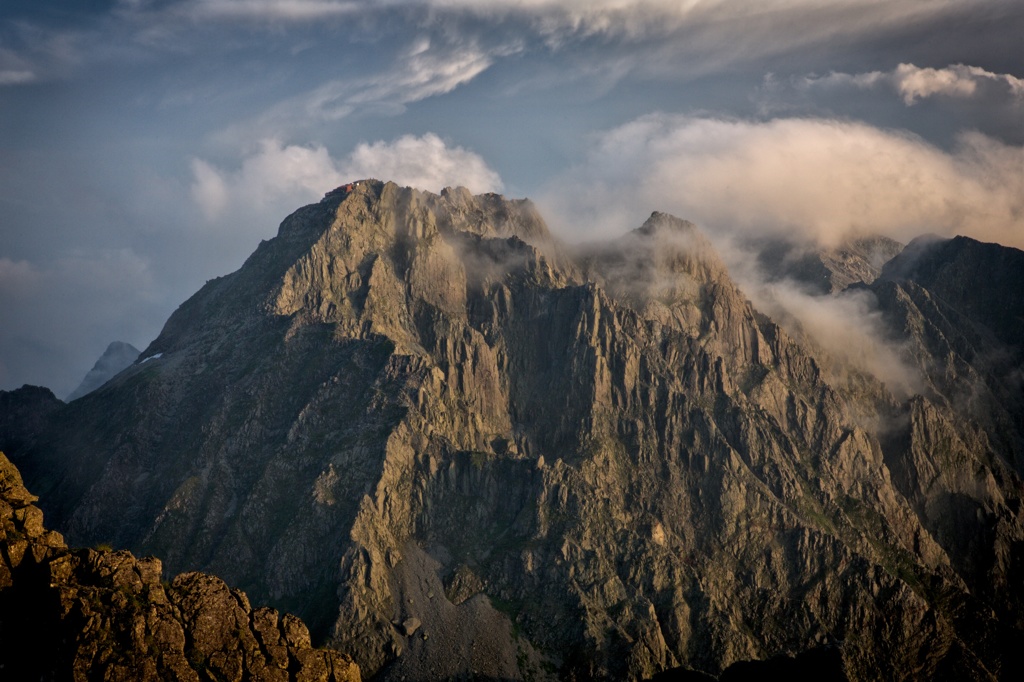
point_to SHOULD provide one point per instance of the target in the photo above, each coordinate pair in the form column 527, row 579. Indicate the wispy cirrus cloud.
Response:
column 671, row 37
column 735, row 27
column 31, row 53
column 620, row 17
column 296, row 10
column 914, row 83
column 419, row 72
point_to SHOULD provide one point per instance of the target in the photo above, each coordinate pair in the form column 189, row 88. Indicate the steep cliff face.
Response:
column 956, row 307
column 83, row 614
column 455, row 447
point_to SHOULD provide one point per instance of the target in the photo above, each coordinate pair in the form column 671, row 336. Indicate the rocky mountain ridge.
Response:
column 455, row 447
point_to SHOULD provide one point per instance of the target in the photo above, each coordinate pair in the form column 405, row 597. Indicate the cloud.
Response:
column 31, row 51
column 16, row 276
column 296, row 10
column 272, row 177
column 622, row 17
column 725, row 31
column 209, row 189
column 848, row 327
column 422, row 162
column 275, row 179
column 601, row 40
column 823, row 179
column 11, row 77
column 418, row 74
column 423, row 69
column 914, row 83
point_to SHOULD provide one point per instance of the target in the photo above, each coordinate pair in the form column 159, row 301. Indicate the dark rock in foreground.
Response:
column 87, row 614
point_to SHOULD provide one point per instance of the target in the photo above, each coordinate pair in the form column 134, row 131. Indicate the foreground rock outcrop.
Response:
column 85, row 614
column 455, row 447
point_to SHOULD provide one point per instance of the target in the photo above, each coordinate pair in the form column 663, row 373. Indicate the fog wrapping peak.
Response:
column 826, row 180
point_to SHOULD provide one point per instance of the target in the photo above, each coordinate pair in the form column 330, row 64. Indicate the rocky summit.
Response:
column 460, row 449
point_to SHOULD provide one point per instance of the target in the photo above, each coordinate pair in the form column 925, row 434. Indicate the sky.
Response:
column 147, row 146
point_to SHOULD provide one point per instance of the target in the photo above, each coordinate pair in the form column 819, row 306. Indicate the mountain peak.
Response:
column 354, row 255
column 983, row 280
column 366, row 184
column 674, row 246
column 115, row 358
column 665, row 222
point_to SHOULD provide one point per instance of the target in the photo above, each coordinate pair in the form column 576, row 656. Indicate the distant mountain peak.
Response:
column 671, row 246
column 658, row 222
column 983, row 280
column 115, row 358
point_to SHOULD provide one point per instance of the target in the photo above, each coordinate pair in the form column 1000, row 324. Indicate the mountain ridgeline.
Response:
column 458, row 448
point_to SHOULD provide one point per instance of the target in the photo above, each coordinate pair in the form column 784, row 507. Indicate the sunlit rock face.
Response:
column 455, row 446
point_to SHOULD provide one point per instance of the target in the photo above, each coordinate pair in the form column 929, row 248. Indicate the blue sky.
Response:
column 149, row 145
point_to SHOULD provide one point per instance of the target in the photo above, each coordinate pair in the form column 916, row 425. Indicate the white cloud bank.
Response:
column 422, row 162
column 914, row 83
column 822, row 179
column 275, row 179
column 271, row 176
